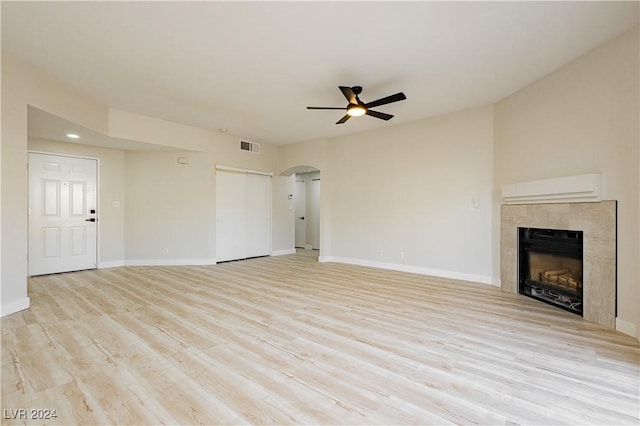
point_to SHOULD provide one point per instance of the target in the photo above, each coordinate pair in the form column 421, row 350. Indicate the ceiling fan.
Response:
column 356, row 107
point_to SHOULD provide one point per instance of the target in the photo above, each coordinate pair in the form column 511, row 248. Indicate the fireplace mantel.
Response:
column 597, row 220
column 569, row 189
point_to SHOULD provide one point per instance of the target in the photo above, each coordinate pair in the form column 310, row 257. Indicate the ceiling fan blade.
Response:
column 380, row 115
column 343, row 119
column 386, row 100
column 326, row 107
column 348, row 93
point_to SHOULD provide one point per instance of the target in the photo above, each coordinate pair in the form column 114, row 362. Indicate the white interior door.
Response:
column 300, row 198
column 243, row 215
column 314, row 219
column 231, row 215
column 62, row 214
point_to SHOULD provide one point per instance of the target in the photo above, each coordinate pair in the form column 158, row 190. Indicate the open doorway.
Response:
column 307, row 210
column 306, row 194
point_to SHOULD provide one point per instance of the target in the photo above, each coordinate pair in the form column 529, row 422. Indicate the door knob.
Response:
column 301, row 218
column 93, row 219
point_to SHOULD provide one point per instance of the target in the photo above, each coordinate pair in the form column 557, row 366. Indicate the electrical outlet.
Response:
column 401, row 255
column 380, row 252
column 166, row 251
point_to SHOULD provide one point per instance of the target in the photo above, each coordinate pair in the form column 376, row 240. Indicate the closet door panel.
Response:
column 258, row 215
column 243, row 215
column 231, row 215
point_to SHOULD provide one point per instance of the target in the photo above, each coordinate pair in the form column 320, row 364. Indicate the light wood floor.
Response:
column 287, row 340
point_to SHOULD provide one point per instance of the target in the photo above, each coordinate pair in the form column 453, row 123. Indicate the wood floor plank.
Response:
column 288, row 340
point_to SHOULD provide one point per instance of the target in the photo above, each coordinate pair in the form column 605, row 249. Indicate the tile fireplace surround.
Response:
column 597, row 220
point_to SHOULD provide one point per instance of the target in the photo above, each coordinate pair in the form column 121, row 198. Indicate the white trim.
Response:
column 283, row 252
column 63, row 155
column 411, row 269
column 169, row 262
column 569, row 189
column 237, row 169
column 13, row 307
column 626, row 327
column 111, row 264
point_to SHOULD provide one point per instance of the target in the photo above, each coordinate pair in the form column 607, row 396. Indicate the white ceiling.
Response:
column 253, row 67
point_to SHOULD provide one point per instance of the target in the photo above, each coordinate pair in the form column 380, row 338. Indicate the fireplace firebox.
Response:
column 550, row 267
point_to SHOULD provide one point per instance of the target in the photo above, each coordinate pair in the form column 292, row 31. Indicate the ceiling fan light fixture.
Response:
column 356, row 110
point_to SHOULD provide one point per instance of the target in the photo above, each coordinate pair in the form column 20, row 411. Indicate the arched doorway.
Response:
column 306, row 195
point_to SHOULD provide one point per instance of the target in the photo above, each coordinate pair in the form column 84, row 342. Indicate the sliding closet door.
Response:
column 231, row 215
column 258, row 215
column 243, row 215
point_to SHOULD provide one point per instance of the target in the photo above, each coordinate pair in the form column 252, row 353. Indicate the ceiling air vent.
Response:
column 250, row 146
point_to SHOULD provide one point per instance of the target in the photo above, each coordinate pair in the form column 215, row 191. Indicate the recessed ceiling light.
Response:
column 72, row 136
column 223, row 130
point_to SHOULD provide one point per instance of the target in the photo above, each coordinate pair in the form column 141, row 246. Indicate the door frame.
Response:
column 297, row 199
column 98, row 207
column 223, row 168
column 315, row 230
column 323, row 225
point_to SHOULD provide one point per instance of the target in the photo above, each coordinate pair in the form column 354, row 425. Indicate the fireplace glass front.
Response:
column 550, row 266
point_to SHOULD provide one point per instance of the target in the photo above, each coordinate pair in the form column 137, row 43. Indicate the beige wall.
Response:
column 582, row 118
column 283, row 217
column 169, row 208
column 310, row 153
column 408, row 190
column 223, row 147
column 111, row 188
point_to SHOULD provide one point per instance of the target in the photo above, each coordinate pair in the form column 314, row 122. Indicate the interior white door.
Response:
column 258, row 215
column 62, row 214
column 314, row 223
column 300, row 198
column 231, row 215
column 243, row 215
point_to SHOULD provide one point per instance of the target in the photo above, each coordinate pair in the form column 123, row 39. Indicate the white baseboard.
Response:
column 169, row 262
column 13, row 307
column 283, row 252
column 111, row 264
column 626, row 327
column 412, row 269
